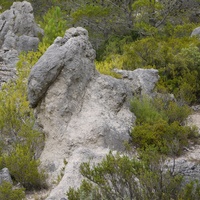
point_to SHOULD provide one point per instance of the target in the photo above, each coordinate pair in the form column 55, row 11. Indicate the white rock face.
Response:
column 84, row 114
column 5, row 176
column 18, row 32
column 196, row 32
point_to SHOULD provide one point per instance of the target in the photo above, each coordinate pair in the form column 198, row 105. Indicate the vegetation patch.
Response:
column 122, row 177
column 159, row 124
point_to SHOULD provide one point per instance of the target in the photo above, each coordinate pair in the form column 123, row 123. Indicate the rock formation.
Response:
column 18, row 32
column 84, row 114
column 196, row 32
column 5, row 176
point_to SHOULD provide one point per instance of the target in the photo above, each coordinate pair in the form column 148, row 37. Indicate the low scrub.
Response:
column 120, row 177
column 159, row 124
column 7, row 192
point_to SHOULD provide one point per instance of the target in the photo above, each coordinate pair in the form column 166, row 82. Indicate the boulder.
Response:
column 18, row 32
column 196, row 32
column 5, row 176
column 83, row 114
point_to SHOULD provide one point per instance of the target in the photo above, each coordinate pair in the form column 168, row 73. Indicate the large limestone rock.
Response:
column 18, row 32
column 84, row 114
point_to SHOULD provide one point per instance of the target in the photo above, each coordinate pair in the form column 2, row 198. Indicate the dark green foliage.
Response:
column 53, row 24
column 145, row 111
column 114, row 45
column 24, row 168
column 168, row 138
column 121, row 177
column 149, row 110
column 8, row 193
column 158, row 124
column 191, row 191
column 5, row 4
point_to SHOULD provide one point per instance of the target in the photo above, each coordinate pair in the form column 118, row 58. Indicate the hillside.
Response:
column 122, row 94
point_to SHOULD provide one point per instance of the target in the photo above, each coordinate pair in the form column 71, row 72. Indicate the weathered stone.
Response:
column 17, row 24
column 83, row 113
column 18, row 32
column 5, row 176
column 196, row 32
column 143, row 79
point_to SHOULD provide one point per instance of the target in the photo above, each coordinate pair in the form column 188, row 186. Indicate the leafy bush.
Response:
column 191, row 191
column 175, row 112
column 167, row 138
column 5, row 4
column 8, row 193
column 54, row 24
column 17, row 119
column 24, row 168
column 107, row 67
column 121, row 177
column 158, row 124
column 145, row 111
column 149, row 110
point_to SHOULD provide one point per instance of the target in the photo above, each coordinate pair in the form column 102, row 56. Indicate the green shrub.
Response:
column 17, row 119
column 167, row 138
column 191, row 191
column 145, row 111
column 149, row 110
column 54, row 24
column 24, row 168
column 158, row 124
column 121, row 177
column 175, row 112
column 5, row 4
column 8, row 193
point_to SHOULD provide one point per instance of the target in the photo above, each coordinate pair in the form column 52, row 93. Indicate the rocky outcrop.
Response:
column 18, row 32
column 84, row 114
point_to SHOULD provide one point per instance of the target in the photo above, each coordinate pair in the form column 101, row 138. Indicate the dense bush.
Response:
column 54, row 25
column 24, row 168
column 159, row 124
column 145, row 111
column 8, row 193
column 168, row 138
column 121, row 177
column 148, row 110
